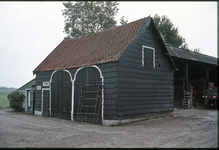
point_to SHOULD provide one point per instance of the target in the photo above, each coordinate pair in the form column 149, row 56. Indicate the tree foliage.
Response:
column 123, row 21
column 197, row 50
column 168, row 32
column 16, row 99
column 86, row 17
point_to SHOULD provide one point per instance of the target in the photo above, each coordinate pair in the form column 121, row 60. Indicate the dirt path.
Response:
column 186, row 128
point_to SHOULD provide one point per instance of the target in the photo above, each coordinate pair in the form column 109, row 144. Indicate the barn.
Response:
column 111, row 77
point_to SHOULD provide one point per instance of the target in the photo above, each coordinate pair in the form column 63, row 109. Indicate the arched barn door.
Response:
column 89, row 77
column 61, row 93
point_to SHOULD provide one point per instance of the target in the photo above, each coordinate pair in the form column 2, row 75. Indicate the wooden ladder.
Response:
column 186, row 102
column 84, row 98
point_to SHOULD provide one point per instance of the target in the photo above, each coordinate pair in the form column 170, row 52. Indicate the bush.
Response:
column 16, row 99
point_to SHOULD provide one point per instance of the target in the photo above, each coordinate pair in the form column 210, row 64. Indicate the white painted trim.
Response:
column 101, row 76
column 43, row 89
column 73, row 81
column 25, row 103
column 52, row 76
column 38, row 113
column 142, row 56
column 50, row 88
column 143, row 46
column 72, row 98
column 69, row 74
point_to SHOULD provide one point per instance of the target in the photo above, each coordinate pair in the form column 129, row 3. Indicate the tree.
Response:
column 197, row 50
column 86, row 17
column 16, row 99
column 168, row 32
column 123, row 21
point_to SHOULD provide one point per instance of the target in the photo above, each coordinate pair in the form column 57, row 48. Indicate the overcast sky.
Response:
column 30, row 31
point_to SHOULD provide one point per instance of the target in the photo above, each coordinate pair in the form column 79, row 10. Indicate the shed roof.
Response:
column 27, row 85
column 101, row 47
column 189, row 55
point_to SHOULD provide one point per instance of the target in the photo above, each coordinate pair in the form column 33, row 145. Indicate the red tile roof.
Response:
column 101, row 47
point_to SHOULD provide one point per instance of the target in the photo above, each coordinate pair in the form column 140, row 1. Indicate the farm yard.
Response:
column 117, row 76
column 195, row 128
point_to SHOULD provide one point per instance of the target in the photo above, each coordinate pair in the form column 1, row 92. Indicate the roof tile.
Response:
column 93, row 49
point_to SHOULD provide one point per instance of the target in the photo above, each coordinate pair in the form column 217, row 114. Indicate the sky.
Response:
column 30, row 31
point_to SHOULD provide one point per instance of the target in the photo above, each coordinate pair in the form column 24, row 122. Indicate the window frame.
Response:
column 143, row 56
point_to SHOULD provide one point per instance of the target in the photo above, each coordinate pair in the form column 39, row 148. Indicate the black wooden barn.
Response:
column 130, row 62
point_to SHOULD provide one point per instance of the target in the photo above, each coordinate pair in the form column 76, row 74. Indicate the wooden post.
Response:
column 186, row 78
column 207, row 77
column 191, row 98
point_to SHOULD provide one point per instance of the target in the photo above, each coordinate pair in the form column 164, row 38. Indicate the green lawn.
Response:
column 4, row 103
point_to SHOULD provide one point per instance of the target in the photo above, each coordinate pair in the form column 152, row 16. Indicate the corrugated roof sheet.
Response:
column 101, row 47
column 189, row 55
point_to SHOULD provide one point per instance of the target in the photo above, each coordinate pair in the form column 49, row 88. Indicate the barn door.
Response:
column 86, row 76
column 61, row 91
column 45, row 102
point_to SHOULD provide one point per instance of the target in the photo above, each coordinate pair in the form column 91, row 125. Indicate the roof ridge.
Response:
column 105, row 30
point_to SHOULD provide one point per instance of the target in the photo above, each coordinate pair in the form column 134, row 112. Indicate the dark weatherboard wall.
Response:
column 40, row 78
column 110, row 73
column 144, row 89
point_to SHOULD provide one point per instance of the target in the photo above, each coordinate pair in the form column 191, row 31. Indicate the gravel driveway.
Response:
column 195, row 128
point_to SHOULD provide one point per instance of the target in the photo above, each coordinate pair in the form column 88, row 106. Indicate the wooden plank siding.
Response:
column 144, row 90
column 109, row 71
column 40, row 78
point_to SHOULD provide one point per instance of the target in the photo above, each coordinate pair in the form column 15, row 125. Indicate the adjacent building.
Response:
column 29, row 91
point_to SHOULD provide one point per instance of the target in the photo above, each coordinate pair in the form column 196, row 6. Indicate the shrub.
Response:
column 16, row 98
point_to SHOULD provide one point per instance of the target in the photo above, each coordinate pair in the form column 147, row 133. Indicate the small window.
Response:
column 148, row 56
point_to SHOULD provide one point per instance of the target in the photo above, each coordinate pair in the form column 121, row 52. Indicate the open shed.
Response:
column 194, row 70
column 128, row 69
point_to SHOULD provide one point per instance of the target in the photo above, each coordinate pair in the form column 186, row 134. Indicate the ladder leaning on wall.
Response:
column 96, row 105
column 186, row 101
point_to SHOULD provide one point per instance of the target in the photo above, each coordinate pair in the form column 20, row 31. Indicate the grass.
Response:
column 4, row 103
